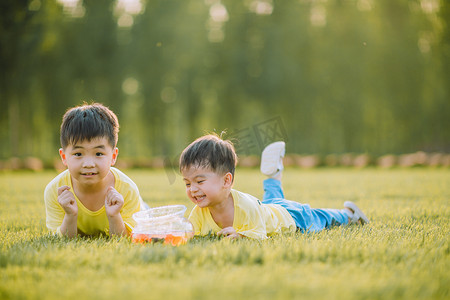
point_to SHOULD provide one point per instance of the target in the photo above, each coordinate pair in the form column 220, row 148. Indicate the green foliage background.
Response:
column 402, row 254
column 343, row 76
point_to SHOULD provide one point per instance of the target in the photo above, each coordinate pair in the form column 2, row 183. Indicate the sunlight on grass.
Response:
column 402, row 254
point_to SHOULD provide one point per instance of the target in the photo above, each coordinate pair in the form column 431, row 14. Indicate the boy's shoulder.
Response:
column 123, row 180
column 244, row 199
column 62, row 178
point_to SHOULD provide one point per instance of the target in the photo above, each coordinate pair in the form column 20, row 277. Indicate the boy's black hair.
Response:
column 210, row 151
column 89, row 121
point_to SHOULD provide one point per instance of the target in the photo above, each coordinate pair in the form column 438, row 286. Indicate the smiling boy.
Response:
column 208, row 166
column 91, row 197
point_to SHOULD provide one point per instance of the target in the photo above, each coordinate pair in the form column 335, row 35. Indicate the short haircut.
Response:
column 89, row 121
column 210, row 151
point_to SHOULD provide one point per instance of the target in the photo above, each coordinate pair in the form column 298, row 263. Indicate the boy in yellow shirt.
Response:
column 91, row 197
column 208, row 166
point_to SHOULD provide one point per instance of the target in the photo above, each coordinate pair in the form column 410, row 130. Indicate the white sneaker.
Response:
column 357, row 216
column 272, row 159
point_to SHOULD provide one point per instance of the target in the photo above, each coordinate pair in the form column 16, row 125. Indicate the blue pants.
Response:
column 306, row 218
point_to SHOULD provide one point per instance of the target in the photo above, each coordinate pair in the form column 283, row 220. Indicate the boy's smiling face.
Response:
column 205, row 188
column 89, row 162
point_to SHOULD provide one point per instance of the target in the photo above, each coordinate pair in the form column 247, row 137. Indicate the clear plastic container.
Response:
column 165, row 224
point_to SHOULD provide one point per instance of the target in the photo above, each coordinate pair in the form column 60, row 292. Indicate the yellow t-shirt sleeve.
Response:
column 196, row 220
column 53, row 211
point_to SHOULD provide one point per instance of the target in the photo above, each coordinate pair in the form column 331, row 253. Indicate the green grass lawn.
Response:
column 402, row 254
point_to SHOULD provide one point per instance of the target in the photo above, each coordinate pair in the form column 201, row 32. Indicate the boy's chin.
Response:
column 201, row 204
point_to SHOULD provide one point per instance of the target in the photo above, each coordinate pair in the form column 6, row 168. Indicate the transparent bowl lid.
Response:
column 159, row 214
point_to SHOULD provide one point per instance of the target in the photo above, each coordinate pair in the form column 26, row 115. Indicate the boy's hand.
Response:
column 113, row 202
column 230, row 233
column 67, row 200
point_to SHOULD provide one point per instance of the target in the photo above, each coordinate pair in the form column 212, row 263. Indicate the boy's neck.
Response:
column 93, row 196
column 223, row 213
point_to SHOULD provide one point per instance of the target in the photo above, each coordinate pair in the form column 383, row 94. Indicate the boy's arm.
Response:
column 250, row 223
column 253, row 227
column 69, row 226
column 230, row 232
column 113, row 204
column 117, row 226
column 56, row 219
column 67, row 201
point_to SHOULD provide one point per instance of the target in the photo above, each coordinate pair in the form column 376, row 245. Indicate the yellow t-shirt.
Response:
column 252, row 218
column 91, row 222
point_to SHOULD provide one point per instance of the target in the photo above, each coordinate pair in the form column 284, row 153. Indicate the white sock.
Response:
column 348, row 212
column 277, row 175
